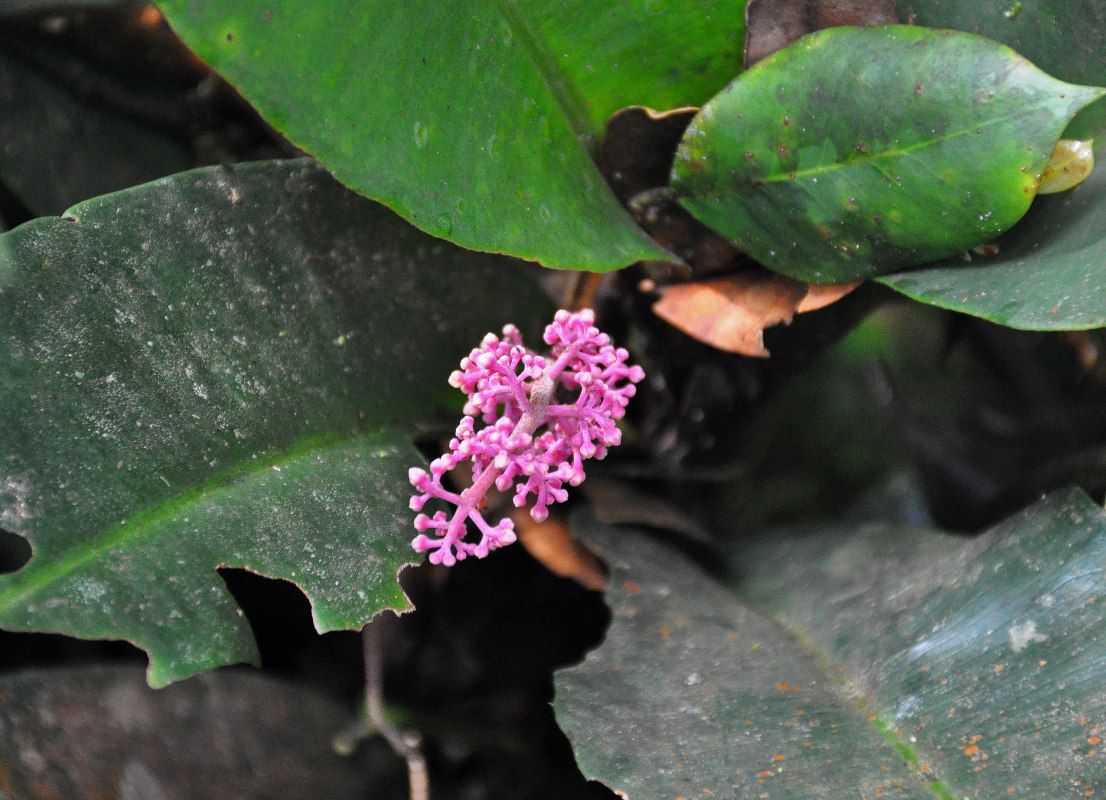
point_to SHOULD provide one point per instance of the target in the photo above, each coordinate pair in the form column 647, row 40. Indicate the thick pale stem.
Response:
column 570, row 354
column 541, row 393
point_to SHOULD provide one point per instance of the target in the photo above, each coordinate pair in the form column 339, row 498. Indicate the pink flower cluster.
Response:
column 543, row 416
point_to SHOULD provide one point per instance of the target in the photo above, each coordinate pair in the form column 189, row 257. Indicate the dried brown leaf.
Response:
column 638, row 147
column 732, row 313
column 819, row 296
column 551, row 543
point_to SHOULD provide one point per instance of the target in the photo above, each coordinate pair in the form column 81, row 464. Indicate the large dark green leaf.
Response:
column 695, row 694
column 927, row 665
column 471, row 119
column 222, row 368
column 983, row 656
column 95, row 732
column 857, row 151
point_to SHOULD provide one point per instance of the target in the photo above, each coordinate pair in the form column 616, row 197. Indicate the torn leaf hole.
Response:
column 279, row 615
column 15, row 552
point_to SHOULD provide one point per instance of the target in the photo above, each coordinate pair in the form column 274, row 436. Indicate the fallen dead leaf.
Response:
column 1070, row 164
column 818, row 296
column 551, row 543
column 638, row 147
column 732, row 313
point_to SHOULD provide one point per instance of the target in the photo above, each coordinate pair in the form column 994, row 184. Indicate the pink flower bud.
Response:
column 528, row 438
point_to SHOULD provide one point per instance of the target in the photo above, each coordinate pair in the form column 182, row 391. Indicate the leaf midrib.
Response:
column 875, row 720
column 559, row 88
column 39, row 574
column 872, row 159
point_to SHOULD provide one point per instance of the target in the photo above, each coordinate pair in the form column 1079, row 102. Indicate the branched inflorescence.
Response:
column 531, row 439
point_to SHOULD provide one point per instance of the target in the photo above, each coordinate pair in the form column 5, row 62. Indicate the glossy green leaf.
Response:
column 901, row 663
column 223, row 368
column 472, row 120
column 858, row 151
column 1065, row 38
column 1048, row 271
column 1047, row 274
column 639, row 53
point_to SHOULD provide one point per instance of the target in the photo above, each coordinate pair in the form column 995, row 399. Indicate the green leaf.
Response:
column 639, row 53
column 223, row 368
column 695, row 694
column 1063, row 37
column 1046, row 275
column 98, row 731
column 993, row 642
column 857, row 151
column 473, row 121
column 924, row 665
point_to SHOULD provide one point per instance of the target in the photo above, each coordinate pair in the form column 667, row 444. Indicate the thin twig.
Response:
column 405, row 743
